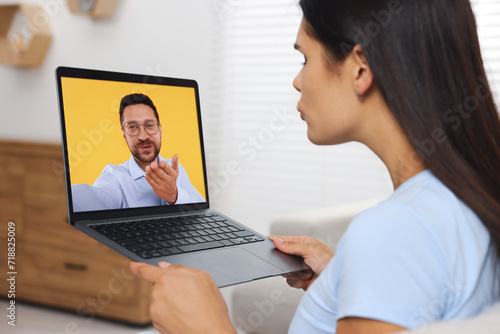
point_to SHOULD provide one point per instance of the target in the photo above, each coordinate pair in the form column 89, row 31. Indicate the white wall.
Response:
column 163, row 37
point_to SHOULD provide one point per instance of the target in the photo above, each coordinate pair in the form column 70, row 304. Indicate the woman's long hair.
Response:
column 426, row 59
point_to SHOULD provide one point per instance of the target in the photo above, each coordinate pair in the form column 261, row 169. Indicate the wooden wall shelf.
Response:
column 94, row 8
column 25, row 35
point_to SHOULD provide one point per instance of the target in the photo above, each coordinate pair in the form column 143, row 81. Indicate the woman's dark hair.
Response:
column 426, row 60
column 132, row 99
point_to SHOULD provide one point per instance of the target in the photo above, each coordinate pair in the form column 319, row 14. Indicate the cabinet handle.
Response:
column 74, row 266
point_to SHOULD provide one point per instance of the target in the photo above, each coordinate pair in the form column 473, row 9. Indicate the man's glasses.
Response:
column 133, row 128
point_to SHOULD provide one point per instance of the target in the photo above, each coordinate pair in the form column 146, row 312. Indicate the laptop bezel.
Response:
column 72, row 72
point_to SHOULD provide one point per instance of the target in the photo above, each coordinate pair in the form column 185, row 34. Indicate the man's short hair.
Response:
column 132, row 99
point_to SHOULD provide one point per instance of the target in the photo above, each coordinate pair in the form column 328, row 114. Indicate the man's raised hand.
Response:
column 163, row 177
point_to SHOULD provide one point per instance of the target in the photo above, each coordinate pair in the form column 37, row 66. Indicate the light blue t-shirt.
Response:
column 420, row 256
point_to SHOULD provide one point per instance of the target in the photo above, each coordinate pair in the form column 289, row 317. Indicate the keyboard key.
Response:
column 126, row 243
column 155, row 245
column 159, row 238
column 244, row 234
column 135, row 249
column 164, row 252
column 197, row 247
column 231, row 235
column 177, row 236
column 174, row 243
column 117, row 237
column 165, row 244
column 222, row 223
column 168, row 237
column 192, row 241
column 183, row 228
column 253, row 238
column 237, row 241
column 186, row 235
column 154, row 253
column 145, row 255
column 183, row 242
column 227, row 242
column 174, row 250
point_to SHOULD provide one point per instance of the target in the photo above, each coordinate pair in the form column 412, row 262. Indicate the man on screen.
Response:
column 146, row 179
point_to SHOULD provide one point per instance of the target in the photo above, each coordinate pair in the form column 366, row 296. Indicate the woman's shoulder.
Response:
column 421, row 213
column 423, row 201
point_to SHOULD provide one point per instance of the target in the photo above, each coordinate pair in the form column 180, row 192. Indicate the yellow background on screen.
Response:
column 93, row 129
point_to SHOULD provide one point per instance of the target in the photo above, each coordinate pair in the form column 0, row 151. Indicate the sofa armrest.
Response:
column 488, row 322
column 326, row 224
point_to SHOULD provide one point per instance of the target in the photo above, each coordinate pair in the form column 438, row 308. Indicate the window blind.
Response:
column 487, row 14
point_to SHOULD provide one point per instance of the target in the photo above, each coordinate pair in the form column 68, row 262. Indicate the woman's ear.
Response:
column 363, row 76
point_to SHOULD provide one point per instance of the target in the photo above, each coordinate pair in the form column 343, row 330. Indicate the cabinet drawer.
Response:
column 80, row 281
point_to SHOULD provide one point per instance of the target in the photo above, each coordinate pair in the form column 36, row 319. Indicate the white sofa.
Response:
column 267, row 306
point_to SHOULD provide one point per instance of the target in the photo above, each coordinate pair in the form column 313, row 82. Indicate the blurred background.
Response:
column 241, row 53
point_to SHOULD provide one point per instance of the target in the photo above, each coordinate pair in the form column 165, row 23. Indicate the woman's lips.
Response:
column 301, row 114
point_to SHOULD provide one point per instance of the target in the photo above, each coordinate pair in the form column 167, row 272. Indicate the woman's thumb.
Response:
column 289, row 247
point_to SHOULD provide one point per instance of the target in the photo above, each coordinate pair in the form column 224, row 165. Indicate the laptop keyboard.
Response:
column 176, row 235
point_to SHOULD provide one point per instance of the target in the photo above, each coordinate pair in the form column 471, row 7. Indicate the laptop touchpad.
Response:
column 237, row 263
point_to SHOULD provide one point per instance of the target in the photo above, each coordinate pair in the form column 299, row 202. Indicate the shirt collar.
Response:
column 135, row 170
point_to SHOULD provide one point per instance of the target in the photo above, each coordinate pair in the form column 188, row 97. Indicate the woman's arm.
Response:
column 354, row 325
column 184, row 300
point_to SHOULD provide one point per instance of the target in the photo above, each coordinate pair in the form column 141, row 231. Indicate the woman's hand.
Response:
column 184, row 300
column 315, row 253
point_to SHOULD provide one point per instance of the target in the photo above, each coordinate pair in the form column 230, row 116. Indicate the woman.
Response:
column 405, row 78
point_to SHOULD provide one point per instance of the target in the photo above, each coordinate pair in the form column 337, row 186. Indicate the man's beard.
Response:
column 146, row 158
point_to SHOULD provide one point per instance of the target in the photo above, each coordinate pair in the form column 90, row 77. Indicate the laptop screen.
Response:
column 130, row 143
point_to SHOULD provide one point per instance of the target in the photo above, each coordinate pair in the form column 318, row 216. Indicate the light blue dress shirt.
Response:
column 418, row 257
column 125, row 186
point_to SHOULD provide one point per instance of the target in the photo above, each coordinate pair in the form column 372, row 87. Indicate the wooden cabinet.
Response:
column 57, row 265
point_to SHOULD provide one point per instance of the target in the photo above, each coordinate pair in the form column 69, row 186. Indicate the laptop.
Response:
column 111, row 198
